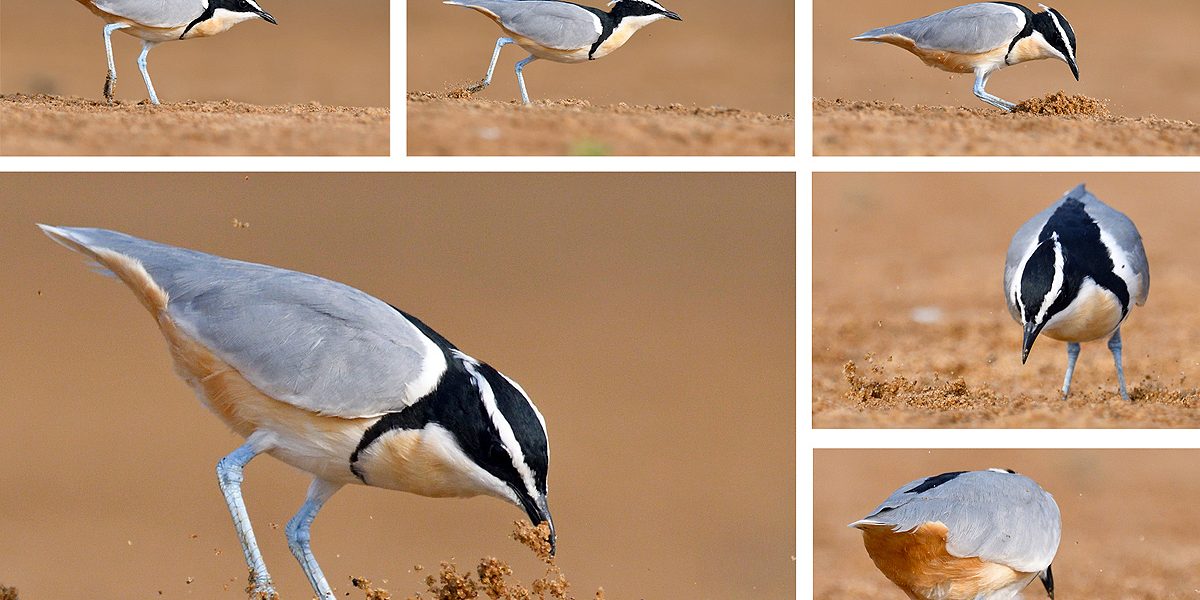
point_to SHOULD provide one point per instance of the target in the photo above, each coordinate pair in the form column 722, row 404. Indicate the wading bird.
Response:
column 1073, row 273
column 562, row 31
column 331, row 381
column 978, row 535
column 157, row 21
column 983, row 38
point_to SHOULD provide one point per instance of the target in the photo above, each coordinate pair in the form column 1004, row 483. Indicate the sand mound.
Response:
column 8, row 593
column 491, row 576
column 1061, row 103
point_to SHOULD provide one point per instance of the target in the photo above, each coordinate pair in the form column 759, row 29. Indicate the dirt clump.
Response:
column 372, row 593
column 1061, row 103
column 492, row 576
column 534, row 538
column 8, row 593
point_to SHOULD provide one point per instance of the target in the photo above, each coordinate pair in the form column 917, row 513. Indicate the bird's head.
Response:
column 243, row 9
column 509, row 442
column 1058, row 37
column 1039, row 290
column 646, row 11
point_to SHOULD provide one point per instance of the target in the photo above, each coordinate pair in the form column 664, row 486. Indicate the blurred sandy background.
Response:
column 651, row 317
column 337, row 57
column 1128, row 517
column 888, row 247
column 1142, row 56
column 738, row 55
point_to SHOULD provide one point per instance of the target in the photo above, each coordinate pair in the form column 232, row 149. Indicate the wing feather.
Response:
column 558, row 25
column 302, row 339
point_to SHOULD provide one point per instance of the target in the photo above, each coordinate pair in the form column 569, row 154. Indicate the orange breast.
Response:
column 917, row 562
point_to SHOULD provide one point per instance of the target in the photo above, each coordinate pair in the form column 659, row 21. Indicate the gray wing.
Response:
column 969, row 29
column 1021, row 245
column 154, row 13
column 302, row 339
column 1124, row 233
column 558, row 25
column 997, row 516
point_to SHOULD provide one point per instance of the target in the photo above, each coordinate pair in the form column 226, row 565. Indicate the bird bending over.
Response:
column 157, row 21
column 978, row 535
column 331, row 381
column 983, row 38
column 562, row 31
column 1073, row 272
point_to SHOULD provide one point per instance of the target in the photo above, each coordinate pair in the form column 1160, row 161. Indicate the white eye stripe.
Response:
column 508, row 439
column 1061, row 32
column 1056, row 285
column 649, row 2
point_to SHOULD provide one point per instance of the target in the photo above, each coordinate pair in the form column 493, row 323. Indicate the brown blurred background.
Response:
column 329, row 53
column 651, row 317
column 738, row 55
column 887, row 246
column 1128, row 517
column 1142, row 56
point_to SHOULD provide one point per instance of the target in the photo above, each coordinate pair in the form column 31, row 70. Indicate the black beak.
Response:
column 538, row 512
column 1031, row 333
column 1047, row 578
column 266, row 16
column 672, row 16
column 1074, row 69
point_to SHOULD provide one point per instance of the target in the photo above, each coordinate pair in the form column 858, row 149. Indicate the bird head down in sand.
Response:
column 331, row 381
column 977, row 535
column 562, row 31
column 157, row 21
column 983, row 38
column 1073, row 272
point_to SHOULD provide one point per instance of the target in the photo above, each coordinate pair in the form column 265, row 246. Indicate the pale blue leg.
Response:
column 146, row 46
column 1114, row 344
column 229, row 475
column 1072, row 356
column 981, row 93
column 521, row 77
column 110, row 82
column 487, row 79
column 298, row 535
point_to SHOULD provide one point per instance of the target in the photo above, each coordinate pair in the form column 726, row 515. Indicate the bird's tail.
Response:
column 107, row 261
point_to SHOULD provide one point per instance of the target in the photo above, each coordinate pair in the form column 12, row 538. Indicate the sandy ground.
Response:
column 714, row 60
column 857, row 128
column 603, row 309
column 1142, row 62
column 1122, row 513
column 54, row 125
column 441, row 125
column 907, row 277
column 336, row 59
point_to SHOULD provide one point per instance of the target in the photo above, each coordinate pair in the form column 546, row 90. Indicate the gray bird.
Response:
column 983, row 38
column 157, row 21
column 562, row 31
column 1073, row 273
column 331, row 381
column 978, row 535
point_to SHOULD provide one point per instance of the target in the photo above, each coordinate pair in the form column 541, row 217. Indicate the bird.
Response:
column 1073, row 272
column 157, row 21
column 331, row 381
column 965, row 535
column 562, row 31
column 982, row 38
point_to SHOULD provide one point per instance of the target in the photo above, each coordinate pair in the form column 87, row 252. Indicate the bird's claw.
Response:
column 259, row 589
column 110, row 84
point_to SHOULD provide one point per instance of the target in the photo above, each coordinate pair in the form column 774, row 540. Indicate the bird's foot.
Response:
column 477, row 87
column 110, row 85
column 260, row 589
